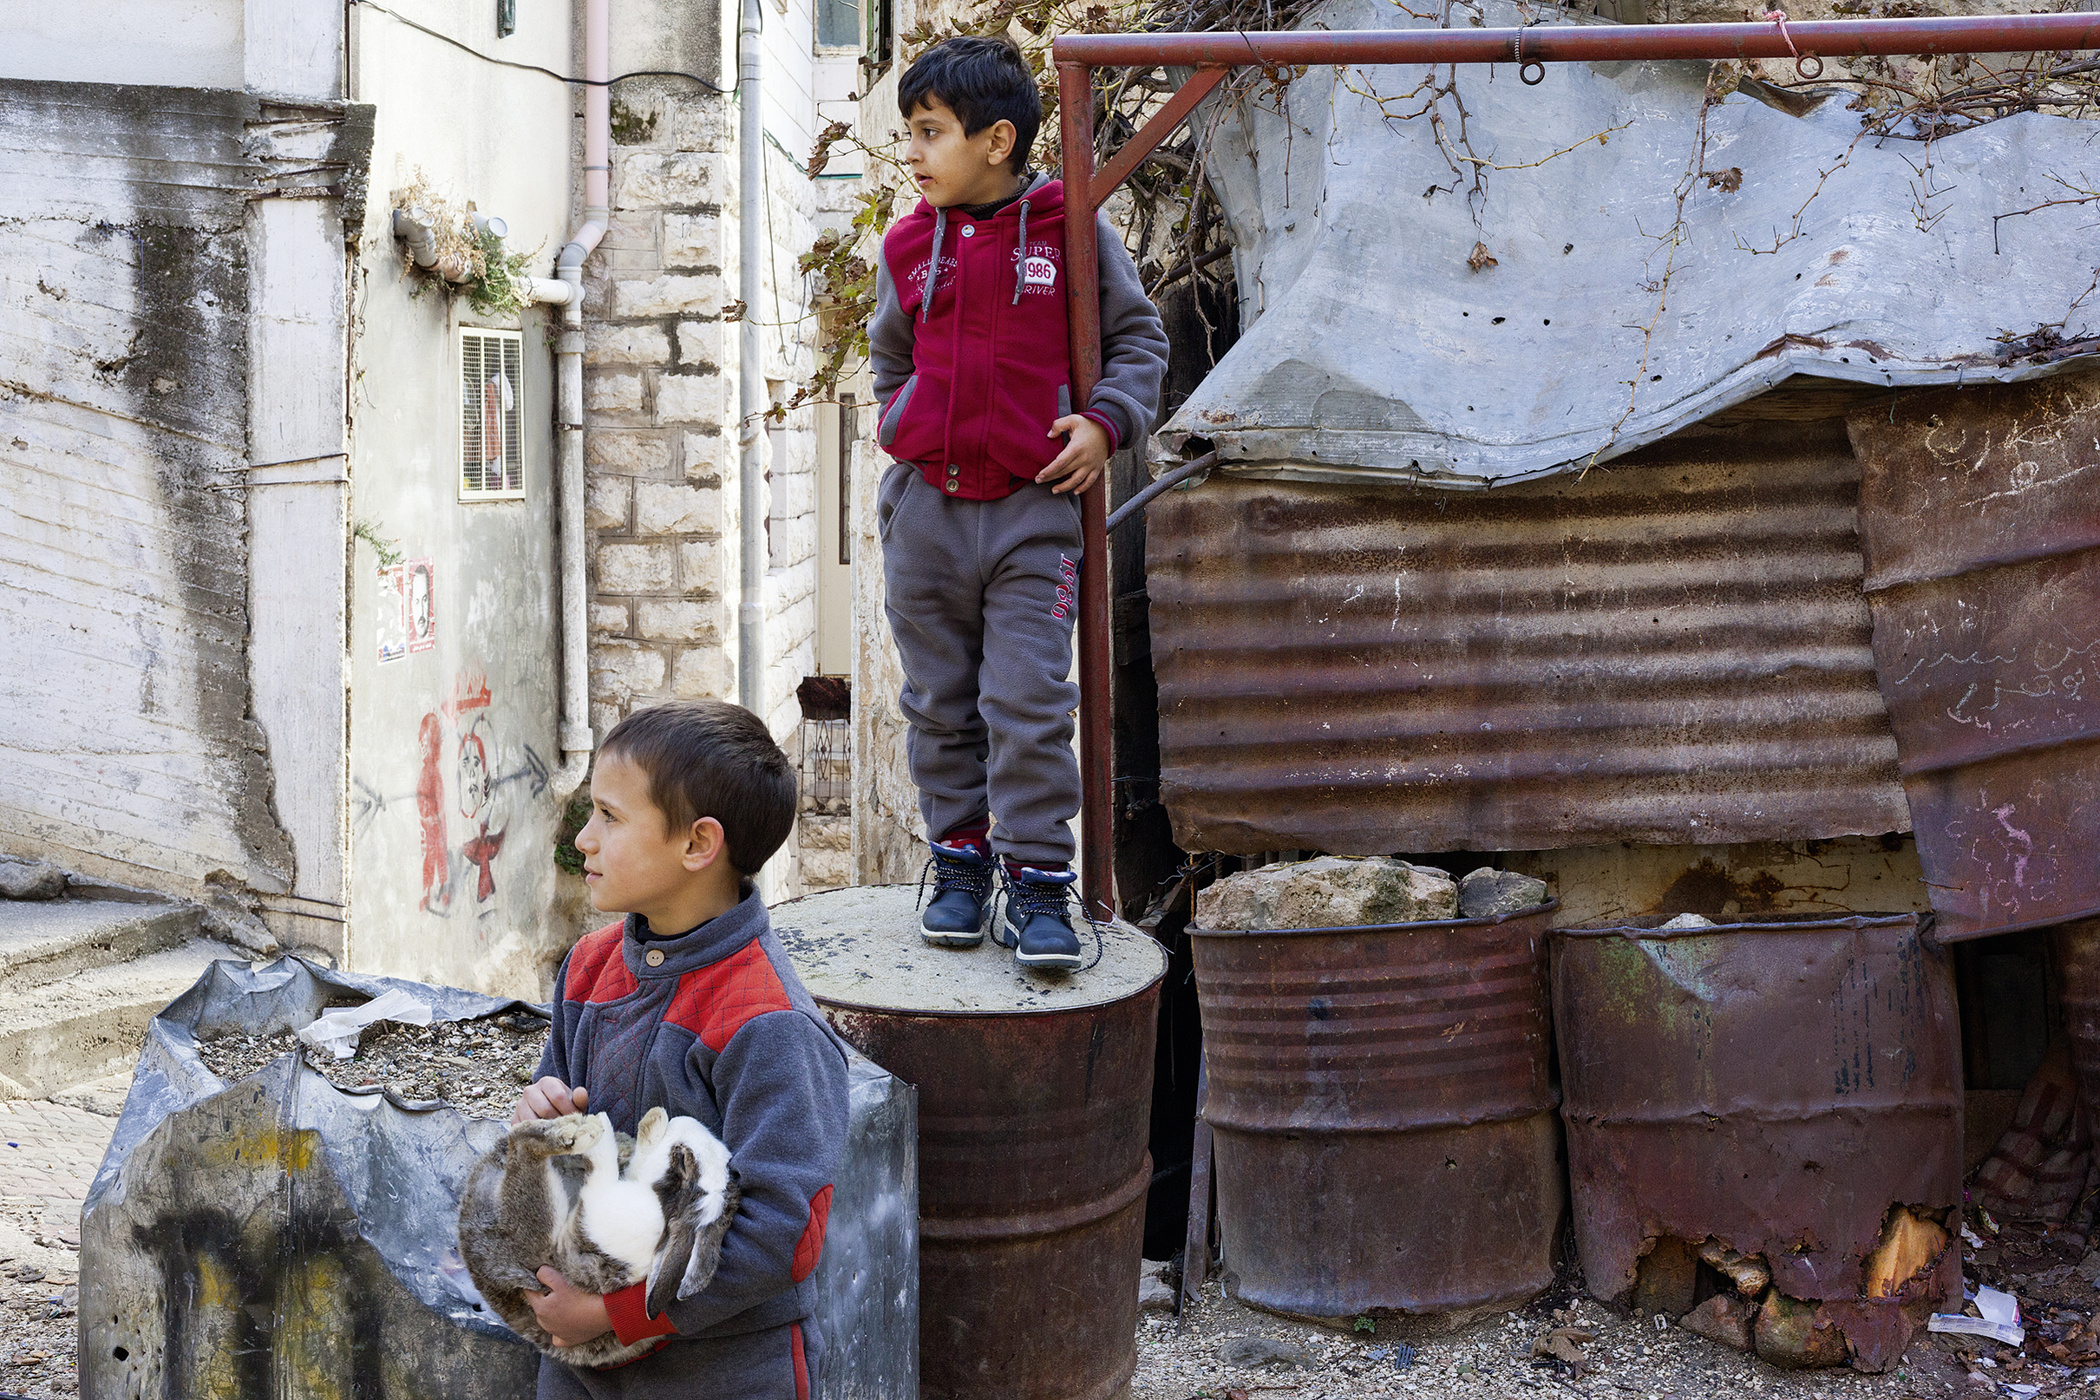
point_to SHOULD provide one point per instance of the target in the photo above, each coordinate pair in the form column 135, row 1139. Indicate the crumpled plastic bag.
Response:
column 337, row 1030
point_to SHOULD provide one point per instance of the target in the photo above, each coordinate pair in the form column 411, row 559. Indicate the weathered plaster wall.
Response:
column 170, row 43
column 128, row 750
column 451, row 815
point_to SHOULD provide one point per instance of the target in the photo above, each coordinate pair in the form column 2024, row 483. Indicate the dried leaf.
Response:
column 1480, row 258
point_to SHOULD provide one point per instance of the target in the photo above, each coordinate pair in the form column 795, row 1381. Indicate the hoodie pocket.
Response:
column 886, row 433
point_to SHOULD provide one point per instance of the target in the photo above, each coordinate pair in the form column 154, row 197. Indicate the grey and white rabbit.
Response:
column 617, row 1211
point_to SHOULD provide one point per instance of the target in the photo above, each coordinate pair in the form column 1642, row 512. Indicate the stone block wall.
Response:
column 661, row 391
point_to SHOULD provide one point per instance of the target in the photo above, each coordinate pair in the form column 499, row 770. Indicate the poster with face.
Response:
column 422, row 605
column 390, row 614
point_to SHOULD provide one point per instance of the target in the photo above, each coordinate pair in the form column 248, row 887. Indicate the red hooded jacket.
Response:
column 990, row 360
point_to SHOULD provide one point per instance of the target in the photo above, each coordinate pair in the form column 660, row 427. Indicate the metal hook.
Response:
column 1516, row 56
column 1801, row 60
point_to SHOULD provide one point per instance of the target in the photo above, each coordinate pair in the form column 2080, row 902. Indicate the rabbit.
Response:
column 520, row 1197
column 606, row 1210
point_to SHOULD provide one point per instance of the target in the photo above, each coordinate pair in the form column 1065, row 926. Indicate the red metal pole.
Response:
column 1075, row 109
column 1567, row 43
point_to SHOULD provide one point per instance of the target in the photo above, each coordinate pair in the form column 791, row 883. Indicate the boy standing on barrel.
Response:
column 979, row 514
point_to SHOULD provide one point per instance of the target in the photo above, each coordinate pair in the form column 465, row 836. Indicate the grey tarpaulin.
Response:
column 1372, row 348
column 282, row 1237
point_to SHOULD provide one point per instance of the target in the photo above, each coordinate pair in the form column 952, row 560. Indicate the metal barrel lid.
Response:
column 859, row 948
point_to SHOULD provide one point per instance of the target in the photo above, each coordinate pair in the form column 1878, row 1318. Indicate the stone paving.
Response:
column 49, row 1151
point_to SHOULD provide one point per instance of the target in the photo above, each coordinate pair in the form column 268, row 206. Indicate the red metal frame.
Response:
column 1213, row 54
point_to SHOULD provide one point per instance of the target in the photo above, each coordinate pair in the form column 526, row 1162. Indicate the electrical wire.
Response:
column 534, row 67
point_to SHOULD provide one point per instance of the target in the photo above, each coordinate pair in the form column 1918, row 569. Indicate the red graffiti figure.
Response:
column 480, row 851
column 430, row 809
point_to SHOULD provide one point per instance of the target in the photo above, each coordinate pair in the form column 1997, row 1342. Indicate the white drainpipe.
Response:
column 751, row 384
column 576, row 738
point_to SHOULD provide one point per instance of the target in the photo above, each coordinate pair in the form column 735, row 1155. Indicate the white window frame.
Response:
column 511, row 424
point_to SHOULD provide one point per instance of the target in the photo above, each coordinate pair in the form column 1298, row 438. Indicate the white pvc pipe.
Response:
column 751, row 387
column 577, row 741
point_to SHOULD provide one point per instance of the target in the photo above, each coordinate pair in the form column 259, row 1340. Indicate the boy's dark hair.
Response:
column 982, row 79
column 709, row 758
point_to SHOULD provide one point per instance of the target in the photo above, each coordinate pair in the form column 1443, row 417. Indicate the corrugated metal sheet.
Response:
column 1980, row 525
column 1671, row 650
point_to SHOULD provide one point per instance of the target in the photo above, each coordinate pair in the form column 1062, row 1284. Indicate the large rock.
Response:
column 1486, row 892
column 30, row 879
column 1794, row 1335
column 1722, row 1318
column 1328, row 892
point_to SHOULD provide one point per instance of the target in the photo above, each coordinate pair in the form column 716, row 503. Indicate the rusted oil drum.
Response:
column 1779, row 1087
column 1035, row 1095
column 1386, row 1137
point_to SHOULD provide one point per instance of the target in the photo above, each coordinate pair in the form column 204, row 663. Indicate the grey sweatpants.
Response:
column 982, row 596
column 777, row 1363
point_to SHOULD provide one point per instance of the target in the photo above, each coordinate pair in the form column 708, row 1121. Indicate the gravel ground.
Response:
column 1490, row 1359
column 39, row 1273
column 477, row 1066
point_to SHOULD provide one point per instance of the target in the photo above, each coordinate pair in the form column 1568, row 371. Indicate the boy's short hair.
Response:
column 982, row 79
column 709, row 758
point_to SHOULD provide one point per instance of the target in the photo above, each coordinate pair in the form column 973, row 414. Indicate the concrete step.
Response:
column 43, row 941
column 90, row 1024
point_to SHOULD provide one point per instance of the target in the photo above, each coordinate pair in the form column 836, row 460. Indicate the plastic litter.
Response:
column 337, row 1031
column 2000, row 1321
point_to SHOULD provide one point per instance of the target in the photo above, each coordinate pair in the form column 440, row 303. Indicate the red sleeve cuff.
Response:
column 1107, row 425
column 629, row 1311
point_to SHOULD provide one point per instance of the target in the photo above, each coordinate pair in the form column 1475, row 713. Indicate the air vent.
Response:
column 491, row 460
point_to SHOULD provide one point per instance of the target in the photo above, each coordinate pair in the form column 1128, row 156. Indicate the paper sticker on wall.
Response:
column 422, row 605
column 390, row 614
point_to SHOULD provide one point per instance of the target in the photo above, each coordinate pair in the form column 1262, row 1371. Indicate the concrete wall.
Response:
column 127, row 747
column 167, row 43
column 453, row 736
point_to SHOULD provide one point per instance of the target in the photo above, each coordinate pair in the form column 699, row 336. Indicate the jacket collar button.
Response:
column 654, row 957
column 968, row 229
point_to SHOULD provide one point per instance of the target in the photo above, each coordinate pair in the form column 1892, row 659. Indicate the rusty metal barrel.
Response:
column 1777, row 1086
column 1035, row 1093
column 1386, row 1136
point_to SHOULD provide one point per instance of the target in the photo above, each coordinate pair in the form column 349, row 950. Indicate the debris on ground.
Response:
column 476, row 1066
column 1627, row 1357
column 39, row 1295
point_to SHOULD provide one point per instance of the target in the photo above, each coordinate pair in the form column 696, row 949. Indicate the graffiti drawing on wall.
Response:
column 461, row 796
column 422, row 605
column 390, row 620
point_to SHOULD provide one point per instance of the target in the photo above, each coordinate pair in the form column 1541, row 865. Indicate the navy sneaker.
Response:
column 1037, row 922
column 962, row 888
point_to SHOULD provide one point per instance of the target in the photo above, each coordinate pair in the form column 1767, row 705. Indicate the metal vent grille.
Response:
column 491, row 460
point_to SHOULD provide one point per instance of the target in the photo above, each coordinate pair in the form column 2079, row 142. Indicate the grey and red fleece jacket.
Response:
column 970, row 350
column 714, row 1025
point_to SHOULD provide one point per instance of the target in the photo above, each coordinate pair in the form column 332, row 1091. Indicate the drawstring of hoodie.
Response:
column 933, row 269
column 1021, row 255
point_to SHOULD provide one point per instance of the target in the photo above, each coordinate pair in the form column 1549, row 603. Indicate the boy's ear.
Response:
column 1002, row 145
column 705, row 844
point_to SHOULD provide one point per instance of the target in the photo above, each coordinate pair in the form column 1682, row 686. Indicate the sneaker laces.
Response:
column 951, row 872
column 1052, row 897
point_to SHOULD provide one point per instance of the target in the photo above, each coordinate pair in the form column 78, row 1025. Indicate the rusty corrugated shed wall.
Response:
column 1673, row 648
column 1982, row 534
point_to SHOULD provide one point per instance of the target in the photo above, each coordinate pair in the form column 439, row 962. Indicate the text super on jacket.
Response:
column 972, row 376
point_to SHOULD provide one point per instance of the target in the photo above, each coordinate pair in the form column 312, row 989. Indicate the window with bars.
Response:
column 491, row 459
